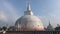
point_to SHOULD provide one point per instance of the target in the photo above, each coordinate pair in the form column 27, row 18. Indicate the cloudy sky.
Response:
column 46, row 10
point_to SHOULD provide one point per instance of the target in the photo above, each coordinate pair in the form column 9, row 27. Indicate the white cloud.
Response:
column 11, row 9
column 3, row 17
column 8, row 12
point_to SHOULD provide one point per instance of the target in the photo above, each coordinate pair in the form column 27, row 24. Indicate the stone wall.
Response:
column 32, row 32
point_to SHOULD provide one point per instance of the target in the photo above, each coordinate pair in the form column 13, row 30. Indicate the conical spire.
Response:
column 28, row 12
column 28, row 7
column 49, row 23
column 49, row 27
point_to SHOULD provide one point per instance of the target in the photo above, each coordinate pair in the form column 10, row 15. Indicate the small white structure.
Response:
column 49, row 27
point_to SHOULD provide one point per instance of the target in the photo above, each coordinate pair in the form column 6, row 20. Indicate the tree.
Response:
column 4, row 28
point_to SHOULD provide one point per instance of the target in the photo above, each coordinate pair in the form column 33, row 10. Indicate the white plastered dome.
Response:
column 30, row 22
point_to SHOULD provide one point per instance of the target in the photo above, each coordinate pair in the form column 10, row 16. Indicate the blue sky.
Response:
column 11, row 10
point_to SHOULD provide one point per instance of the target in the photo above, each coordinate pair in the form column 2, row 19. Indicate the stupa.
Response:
column 29, row 22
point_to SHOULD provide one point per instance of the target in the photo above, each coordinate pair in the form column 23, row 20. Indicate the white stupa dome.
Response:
column 29, row 22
